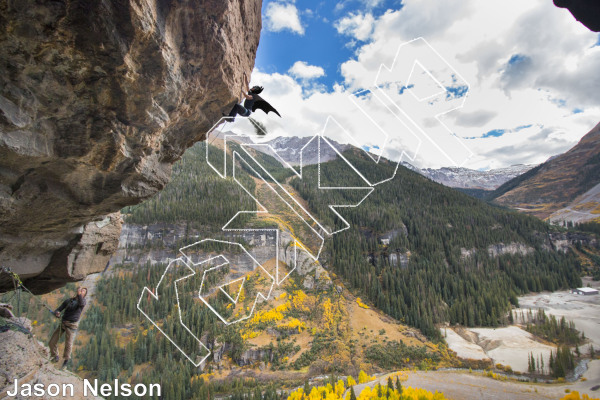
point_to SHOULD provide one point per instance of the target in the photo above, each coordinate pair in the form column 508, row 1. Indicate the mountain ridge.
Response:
column 288, row 148
column 554, row 184
column 434, row 223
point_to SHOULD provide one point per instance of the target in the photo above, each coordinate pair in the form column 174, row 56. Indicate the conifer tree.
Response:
column 352, row 394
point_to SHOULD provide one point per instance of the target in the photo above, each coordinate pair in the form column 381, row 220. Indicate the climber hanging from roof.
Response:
column 252, row 102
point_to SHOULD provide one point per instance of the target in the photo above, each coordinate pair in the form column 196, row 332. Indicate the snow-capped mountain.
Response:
column 465, row 178
column 289, row 149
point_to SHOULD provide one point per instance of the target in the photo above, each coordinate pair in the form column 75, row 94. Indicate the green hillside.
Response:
column 196, row 195
column 307, row 332
column 438, row 284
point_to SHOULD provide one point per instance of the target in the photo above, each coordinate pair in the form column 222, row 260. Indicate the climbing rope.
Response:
column 18, row 286
column 15, row 325
column 217, row 135
column 11, row 297
column 8, row 325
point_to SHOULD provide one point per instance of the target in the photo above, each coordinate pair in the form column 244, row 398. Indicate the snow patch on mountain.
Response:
column 465, row 178
column 290, row 150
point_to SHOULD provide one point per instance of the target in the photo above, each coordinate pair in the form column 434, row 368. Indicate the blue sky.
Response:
column 521, row 77
column 321, row 44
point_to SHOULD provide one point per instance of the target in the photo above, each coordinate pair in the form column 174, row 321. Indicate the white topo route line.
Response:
column 434, row 92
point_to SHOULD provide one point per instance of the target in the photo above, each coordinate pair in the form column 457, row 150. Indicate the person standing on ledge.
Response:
column 71, row 309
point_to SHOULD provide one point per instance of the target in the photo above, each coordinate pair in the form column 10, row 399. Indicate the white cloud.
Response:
column 477, row 118
column 359, row 26
column 553, row 71
column 372, row 3
column 368, row 4
column 428, row 18
column 302, row 70
column 283, row 16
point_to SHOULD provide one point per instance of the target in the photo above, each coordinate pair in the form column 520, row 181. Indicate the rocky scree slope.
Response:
column 97, row 100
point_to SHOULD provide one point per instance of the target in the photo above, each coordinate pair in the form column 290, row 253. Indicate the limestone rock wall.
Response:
column 97, row 100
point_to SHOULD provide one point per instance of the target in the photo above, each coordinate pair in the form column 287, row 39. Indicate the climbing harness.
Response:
column 18, row 287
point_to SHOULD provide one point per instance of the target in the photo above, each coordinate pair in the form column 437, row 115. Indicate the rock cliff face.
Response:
column 499, row 249
column 26, row 359
column 585, row 11
column 97, row 100
column 159, row 243
column 564, row 241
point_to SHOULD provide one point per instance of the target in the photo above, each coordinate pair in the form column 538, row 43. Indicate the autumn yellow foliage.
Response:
column 408, row 393
column 293, row 325
column 361, row 304
column 328, row 314
column 205, row 377
column 576, row 396
column 340, row 392
column 249, row 334
column 264, row 316
column 332, row 314
column 275, row 314
column 495, row 376
column 363, row 377
column 302, row 302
